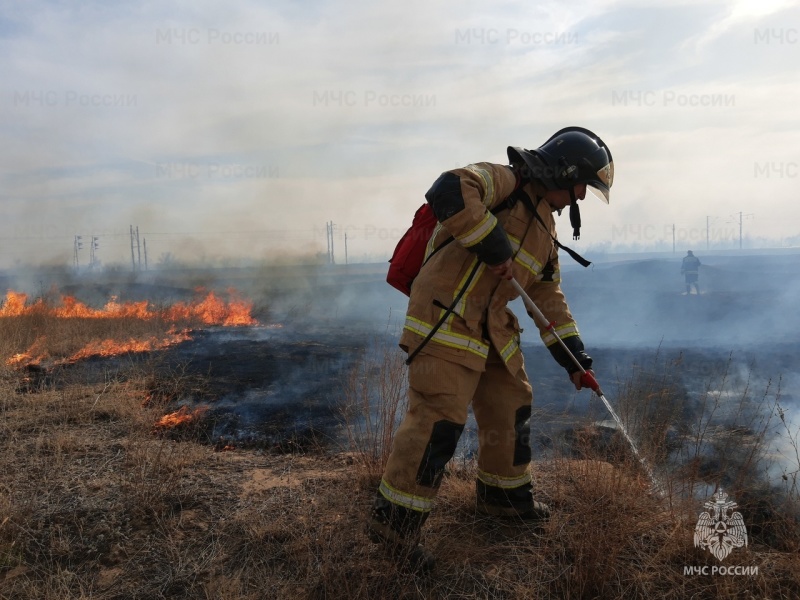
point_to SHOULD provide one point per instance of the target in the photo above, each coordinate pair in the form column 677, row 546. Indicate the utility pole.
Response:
column 77, row 246
column 345, row 247
column 144, row 242
column 138, row 248
column 92, row 251
column 133, row 260
column 328, row 239
column 741, row 218
column 333, row 255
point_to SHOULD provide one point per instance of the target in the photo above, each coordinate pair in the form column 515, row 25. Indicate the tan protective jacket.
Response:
column 481, row 317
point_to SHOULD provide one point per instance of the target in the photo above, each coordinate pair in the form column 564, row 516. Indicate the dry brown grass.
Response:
column 61, row 338
column 38, row 331
column 375, row 401
column 96, row 503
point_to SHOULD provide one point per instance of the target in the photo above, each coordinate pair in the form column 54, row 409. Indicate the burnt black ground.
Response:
column 284, row 388
column 268, row 388
column 273, row 387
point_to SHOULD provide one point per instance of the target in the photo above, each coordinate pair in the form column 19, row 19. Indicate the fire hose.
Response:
column 587, row 380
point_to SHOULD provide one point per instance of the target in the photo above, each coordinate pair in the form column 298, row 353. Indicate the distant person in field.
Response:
column 690, row 269
column 474, row 357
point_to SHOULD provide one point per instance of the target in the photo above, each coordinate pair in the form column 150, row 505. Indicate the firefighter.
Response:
column 474, row 357
column 690, row 269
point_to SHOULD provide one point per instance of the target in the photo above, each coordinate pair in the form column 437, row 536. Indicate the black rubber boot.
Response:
column 398, row 530
column 414, row 559
column 538, row 513
column 515, row 503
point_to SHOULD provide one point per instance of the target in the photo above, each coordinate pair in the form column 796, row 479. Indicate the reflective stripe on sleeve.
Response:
column 563, row 331
column 488, row 183
column 479, row 232
column 395, row 496
column 505, row 483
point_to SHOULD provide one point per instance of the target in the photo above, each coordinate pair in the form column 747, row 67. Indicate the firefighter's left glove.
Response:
column 575, row 346
column 495, row 248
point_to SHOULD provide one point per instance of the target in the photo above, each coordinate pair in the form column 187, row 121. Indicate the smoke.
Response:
column 745, row 301
column 736, row 338
column 735, row 341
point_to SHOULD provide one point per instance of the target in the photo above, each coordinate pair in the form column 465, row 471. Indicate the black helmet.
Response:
column 571, row 156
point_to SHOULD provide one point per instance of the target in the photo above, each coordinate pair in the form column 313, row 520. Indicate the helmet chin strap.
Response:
column 574, row 215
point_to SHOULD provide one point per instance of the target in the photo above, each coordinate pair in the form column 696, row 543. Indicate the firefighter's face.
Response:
column 559, row 199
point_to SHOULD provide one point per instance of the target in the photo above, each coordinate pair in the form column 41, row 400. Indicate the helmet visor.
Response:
column 601, row 195
column 600, row 187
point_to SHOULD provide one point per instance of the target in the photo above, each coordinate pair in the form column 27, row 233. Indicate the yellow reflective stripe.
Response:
column 430, row 247
column 524, row 258
column 460, row 307
column 563, row 331
column 510, row 348
column 488, row 183
column 528, row 261
column 395, row 496
column 417, row 326
column 479, row 232
column 457, row 340
column 504, row 482
column 447, row 338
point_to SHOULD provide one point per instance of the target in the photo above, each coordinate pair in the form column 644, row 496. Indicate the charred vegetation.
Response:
column 239, row 462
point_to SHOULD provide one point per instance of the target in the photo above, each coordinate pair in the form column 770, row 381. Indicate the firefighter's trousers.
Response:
column 439, row 395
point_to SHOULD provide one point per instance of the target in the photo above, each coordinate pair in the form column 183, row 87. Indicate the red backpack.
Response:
column 409, row 254
column 410, row 250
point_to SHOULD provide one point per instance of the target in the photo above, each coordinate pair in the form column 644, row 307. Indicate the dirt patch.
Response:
column 291, row 472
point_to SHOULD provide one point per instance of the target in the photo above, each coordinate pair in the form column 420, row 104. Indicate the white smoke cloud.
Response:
column 198, row 121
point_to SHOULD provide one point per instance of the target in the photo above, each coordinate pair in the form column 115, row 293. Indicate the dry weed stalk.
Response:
column 375, row 401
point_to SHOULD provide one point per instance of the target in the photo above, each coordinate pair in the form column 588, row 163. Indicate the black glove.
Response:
column 575, row 346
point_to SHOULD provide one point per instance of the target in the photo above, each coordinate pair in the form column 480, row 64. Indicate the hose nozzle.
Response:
column 588, row 380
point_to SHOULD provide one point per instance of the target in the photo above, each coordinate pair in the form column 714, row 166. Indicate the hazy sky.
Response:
column 242, row 128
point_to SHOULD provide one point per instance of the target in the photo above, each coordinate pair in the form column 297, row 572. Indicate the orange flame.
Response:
column 114, row 348
column 15, row 305
column 211, row 310
column 18, row 359
column 32, row 356
column 180, row 417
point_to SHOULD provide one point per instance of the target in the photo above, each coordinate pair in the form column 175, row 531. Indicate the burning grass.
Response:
column 96, row 501
column 42, row 333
